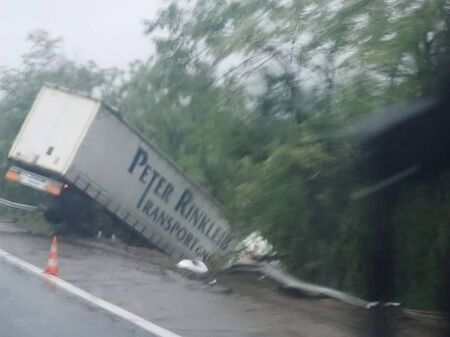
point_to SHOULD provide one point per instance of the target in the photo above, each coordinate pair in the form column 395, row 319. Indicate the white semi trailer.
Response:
column 77, row 148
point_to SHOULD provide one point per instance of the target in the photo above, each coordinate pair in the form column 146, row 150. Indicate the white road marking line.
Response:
column 114, row 309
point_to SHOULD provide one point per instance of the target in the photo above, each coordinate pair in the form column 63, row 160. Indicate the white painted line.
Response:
column 114, row 309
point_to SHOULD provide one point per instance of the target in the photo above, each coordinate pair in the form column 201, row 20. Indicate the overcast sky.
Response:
column 109, row 32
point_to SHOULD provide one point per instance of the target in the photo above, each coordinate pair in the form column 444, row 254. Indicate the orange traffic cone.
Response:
column 52, row 264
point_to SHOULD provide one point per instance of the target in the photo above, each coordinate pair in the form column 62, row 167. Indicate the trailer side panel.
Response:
column 131, row 178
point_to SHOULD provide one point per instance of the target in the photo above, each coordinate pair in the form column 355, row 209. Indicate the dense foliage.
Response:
column 248, row 99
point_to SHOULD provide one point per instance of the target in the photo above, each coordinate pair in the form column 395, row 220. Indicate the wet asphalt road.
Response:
column 189, row 308
column 29, row 306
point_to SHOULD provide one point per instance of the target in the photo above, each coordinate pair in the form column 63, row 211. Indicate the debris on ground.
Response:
column 252, row 247
column 194, row 266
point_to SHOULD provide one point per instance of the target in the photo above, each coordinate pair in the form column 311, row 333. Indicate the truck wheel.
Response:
column 54, row 215
column 104, row 222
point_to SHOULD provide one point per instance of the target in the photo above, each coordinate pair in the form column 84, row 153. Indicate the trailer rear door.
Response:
column 54, row 129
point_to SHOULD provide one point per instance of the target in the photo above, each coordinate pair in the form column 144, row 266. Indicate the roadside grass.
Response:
column 32, row 221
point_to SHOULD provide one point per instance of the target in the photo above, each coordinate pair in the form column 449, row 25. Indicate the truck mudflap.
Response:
column 34, row 180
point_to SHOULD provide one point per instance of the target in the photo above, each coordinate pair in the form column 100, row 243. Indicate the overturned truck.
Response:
column 94, row 165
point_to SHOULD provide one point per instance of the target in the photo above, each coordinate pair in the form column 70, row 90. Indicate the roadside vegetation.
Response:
column 249, row 98
column 33, row 222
